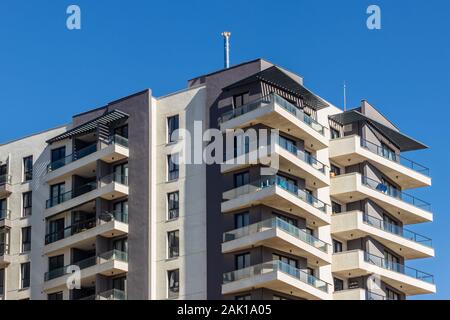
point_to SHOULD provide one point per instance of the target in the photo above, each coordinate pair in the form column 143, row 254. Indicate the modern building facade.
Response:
column 101, row 209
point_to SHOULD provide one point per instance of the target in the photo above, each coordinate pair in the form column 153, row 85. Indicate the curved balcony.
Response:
column 279, row 276
column 276, row 112
column 5, row 185
column 112, row 186
column 354, row 187
column 408, row 280
column 356, row 224
column 290, row 159
column 351, row 150
column 278, row 234
column 113, row 262
column 84, row 160
column 278, row 193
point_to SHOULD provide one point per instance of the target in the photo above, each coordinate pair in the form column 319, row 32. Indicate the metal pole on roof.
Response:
column 226, row 39
column 345, row 96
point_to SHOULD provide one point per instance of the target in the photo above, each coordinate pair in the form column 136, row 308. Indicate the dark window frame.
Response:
column 25, row 273
column 27, row 204
column 173, row 290
column 173, row 169
column 26, row 239
column 173, row 205
column 173, row 244
column 27, row 168
column 173, row 124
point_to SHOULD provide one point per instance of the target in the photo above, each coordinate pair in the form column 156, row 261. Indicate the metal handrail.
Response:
column 114, row 215
column 397, row 267
column 269, row 181
column 392, row 156
column 118, row 139
column 5, row 179
column 76, row 155
column 71, row 230
column 113, row 294
column 71, row 194
column 397, row 230
column 395, row 193
column 5, row 214
column 281, row 224
column 115, row 177
column 273, row 266
column 266, row 100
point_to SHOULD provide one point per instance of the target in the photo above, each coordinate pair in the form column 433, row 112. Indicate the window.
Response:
column 28, row 168
column 55, row 296
column 121, row 211
column 173, row 277
column 243, row 297
column 287, row 144
column 121, row 173
column 289, row 220
column 173, row 167
column 241, row 220
column 2, row 282
column 173, row 242
column 26, row 239
column 55, row 263
column 390, row 224
column 335, row 133
column 27, row 198
column 57, row 158
column 172, row 126
column 392, row 295
column 121, row 245
column 286, row 260
column 242, row 261
column 240, row 99
column 335, row 171
column 55, row 230
column 392, row 262
column 25, row 269
column 279, row 298
column 387, row 152
column 337, row 246
column 338, row 284
column 173, row 205
column 56, row 194
column 4, row 241
column 3, row 210
column 4, row 174
column 336, row 207
column 241, row 179
column 122, row 131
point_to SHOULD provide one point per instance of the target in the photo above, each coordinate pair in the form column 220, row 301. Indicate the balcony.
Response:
column 291, row 159
column 277, row 276
column 5, row 258
column 278, row 234
column 278, row 193
column 109, row 225
column 109, row 263
column 5, row 218
column 5, row 185
column 353, row 149
column 358, row 294
column 276, row 112
column 356, row 224
column 113, row 294
column 354, row 187
column 357, row 263
column 84, row 160
column 109, row 187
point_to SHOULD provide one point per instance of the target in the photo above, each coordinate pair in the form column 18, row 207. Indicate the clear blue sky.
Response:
column 48, row 73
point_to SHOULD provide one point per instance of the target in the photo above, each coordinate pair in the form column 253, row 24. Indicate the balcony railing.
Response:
column 280, row 224
column 70, row 230
column 395, row 193
column 302, row 155
column 117, row 139
column 274, row 266
column 273, row 98
column 5, row 179
column 78, row 154
column 86, row 263
column 397, row 267
column 114, row 294
column 269, row 181
column 5, row 214
column 388, row 154
column 397, row 230
column 374, row 296
column 4, row 249
column 115, row 177
column 121, row 216
column 71, row 194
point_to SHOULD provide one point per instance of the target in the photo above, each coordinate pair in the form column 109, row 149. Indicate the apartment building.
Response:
column 111, row 204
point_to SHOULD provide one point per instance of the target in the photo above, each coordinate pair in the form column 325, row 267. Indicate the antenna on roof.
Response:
column 345, row 96
column 226, row 40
